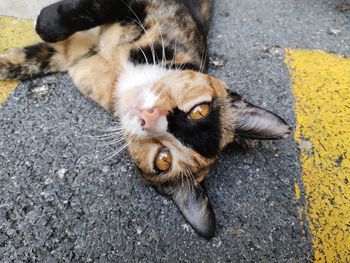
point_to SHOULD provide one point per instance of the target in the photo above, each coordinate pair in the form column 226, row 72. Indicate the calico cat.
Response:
column 146, row 61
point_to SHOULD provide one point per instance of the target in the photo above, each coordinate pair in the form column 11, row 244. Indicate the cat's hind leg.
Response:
column 45, row 58
column 31, row 61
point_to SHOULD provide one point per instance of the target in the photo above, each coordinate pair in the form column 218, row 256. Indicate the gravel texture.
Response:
column 60, row 203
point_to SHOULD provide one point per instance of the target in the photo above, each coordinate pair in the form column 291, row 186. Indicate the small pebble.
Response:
column 41, row 90
column 139, row 230
column 61, row 173
column 334, row 32
column 217, row 61
column 48, row 181
column 185, row 227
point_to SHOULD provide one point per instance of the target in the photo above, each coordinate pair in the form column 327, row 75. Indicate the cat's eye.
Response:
column 163, row 160
column 200, row 111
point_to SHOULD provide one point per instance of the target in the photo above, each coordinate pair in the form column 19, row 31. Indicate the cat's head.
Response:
column 177, row 123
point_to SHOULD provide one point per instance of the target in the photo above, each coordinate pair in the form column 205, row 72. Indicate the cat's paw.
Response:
column 60, row 20
column 71, row 8
column 49, row 24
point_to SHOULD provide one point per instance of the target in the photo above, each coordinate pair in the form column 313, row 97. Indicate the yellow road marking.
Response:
column 321, row 85
column 14, row 33
column 297, row 190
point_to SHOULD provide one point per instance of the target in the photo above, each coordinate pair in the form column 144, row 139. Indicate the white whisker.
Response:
column 143, row 53
column 162, row 42
column 139, row 23
column 203, row 58
column 113, row 142
column 109, row 157
column 101, row 137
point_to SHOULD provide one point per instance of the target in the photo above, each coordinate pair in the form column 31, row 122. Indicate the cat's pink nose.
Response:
column 149, row 118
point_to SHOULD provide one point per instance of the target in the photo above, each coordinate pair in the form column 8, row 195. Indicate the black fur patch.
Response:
column 39, row 51
column 60, row 20
column 14, row 71
column 156, row 54
column 151, row 54
column 234, row 96
column 40, row 55
column 204, row 136
column 32, row 51
column 187, row 66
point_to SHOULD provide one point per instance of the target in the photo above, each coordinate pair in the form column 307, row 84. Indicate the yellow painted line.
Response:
column 321, row 85
column 297, row 190
column 14, row 33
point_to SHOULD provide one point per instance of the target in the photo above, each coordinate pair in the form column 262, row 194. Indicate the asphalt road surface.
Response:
column 59, row 202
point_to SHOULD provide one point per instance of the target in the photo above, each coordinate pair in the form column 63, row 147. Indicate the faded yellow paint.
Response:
column 297, row 191
column 14, row 33
column 321, row 85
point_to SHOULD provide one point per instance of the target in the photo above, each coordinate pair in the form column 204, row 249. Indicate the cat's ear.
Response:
column 252, row 122
column 194, row 204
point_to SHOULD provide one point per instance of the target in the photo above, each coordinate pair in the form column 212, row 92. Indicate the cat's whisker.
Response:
column 114, row 142
column 192, row 182
column 112, row 131
column 180, row 66
column 115, row 138
column 188, row 172
column 139, row 23
column 114, row 127
column 117, row 132
column 103, row 145
column 182, row 178
column 203, row 58
column 112, row 155
column 186, row 182
column 163, row 61
column 173, row 60
column 143, row 53
column 97, row 137
column 103, row 137
column 151, row 43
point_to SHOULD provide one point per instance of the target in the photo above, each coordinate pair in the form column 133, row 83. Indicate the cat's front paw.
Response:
column 49, row 24
column 72, row 8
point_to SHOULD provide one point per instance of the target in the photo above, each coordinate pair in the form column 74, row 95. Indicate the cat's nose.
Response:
column 149, row 118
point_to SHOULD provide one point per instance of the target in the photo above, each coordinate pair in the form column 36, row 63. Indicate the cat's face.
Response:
column 177, row 123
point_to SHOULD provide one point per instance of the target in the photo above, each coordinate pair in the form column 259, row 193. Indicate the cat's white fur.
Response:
column 139, row 79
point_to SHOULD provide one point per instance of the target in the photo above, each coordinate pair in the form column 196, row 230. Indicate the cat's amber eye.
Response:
column 163, row 160
column 199, row 112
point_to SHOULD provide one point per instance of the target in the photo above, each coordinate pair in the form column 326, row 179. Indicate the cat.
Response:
column 146, row 62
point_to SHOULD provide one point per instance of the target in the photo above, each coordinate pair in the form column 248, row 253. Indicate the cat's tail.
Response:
column 31, row 61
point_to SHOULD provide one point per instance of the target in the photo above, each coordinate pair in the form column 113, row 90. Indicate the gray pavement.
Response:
column 58, row 204
column 23, row 9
